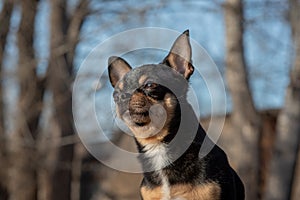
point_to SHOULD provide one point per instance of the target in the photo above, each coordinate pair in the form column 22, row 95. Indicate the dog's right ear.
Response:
column 117, row 68
column 180, row 56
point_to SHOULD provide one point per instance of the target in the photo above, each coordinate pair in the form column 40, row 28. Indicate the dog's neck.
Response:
column 168, row 153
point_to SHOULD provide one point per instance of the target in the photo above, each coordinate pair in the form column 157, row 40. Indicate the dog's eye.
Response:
column 150, row 85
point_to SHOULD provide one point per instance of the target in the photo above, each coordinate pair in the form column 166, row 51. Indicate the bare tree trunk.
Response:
column 23, row 155
column 5, row 16
column 77, row 171
column 267, row 139
column 283, row 163
column 64, row 38
column 296, row 183
column 47, row 148
column 244, row 117
column 59, row 81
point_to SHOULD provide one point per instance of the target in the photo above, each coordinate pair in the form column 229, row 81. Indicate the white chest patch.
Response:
column 157, row 154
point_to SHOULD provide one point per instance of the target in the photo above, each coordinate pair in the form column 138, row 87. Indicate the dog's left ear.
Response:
column 179, row 57
column 117, row 68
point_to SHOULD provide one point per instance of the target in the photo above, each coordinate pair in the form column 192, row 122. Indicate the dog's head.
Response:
column 147, row 97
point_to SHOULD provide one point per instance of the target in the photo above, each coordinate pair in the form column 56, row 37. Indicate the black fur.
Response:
column 135, row 95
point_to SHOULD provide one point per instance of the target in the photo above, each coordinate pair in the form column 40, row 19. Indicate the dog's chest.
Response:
column 159, row 158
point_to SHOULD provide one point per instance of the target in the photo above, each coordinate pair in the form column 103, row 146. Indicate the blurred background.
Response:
column 254, row 43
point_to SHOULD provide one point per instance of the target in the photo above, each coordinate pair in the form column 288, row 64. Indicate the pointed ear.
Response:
column 117, row 68
column 179, row 57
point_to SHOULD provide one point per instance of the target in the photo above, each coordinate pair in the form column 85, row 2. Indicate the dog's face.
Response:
column 147, row 97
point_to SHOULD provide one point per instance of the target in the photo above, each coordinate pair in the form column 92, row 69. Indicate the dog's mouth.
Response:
column 146, row 123
column 140, row 118
column 139, row 110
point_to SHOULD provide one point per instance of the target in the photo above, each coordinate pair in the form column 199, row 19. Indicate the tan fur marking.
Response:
column 154, row 139
column 142, row 79
column 170, row 102
column 208, row 191
column 151, row 194
column 121, row 85
column 118, row 111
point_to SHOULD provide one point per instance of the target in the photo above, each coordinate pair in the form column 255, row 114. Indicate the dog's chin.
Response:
column 146, row 126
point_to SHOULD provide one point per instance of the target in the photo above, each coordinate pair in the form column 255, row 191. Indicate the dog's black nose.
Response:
column 125, row 96
column 118, row 96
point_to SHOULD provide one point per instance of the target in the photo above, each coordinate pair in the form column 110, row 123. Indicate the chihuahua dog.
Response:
column 152, row 101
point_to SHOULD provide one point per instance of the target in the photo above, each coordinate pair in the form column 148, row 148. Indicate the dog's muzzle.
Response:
column 139, row 110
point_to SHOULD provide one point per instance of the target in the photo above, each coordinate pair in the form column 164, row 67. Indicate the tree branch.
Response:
column 75, row 24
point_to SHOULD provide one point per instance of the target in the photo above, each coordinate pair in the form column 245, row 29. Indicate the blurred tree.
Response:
column 23, row 181
column 23, row 161
column 283, row 164
column 5, row 16
column 246, row 122
column 65, row 31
